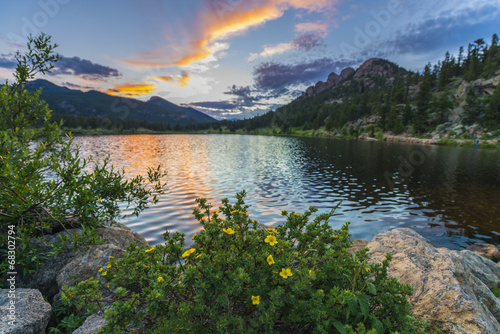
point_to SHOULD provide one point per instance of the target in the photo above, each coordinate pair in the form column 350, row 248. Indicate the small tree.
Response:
column 43, row 181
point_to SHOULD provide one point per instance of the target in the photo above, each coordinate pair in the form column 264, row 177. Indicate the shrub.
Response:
column 43, row 181
column 299, row 277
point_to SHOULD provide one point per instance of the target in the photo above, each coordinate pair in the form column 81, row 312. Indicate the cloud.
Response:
column 184, row 79
column 221, row 20
column 430, row 34
column 7, row 61
column 306, row 41
column 132, row 90
column 312, row 26
column 271, row 50
column 180, row 81
column 72, row 85
column 163, row 78
column 83, row 68
column 276, row 79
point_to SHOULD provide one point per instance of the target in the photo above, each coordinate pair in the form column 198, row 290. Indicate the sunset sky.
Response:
column 235, row 57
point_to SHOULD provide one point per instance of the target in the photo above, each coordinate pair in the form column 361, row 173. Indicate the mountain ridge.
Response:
column 92, row 103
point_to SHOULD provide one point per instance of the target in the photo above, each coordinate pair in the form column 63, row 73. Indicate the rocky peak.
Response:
column 376, row 67
column 347, row 72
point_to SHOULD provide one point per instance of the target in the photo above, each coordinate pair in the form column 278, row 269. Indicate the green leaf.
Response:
column 371, row 288
column 339, row 326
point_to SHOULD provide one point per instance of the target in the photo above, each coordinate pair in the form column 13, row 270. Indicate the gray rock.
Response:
column 91, row 325
column 486, row 250
column 87, row 263
column 449, row 289
column 45, row 278
column 32, row 312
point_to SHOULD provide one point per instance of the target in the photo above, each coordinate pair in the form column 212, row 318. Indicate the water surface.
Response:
column 450, row 195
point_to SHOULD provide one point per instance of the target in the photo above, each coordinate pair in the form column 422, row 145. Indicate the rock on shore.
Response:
column 451, row 289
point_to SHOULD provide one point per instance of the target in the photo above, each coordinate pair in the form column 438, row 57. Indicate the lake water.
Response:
column 450, row 195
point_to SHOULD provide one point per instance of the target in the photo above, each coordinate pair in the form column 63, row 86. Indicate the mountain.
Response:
column 201, row 117
column 67, row 101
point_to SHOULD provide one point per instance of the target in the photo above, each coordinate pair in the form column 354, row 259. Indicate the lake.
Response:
column 450, row 195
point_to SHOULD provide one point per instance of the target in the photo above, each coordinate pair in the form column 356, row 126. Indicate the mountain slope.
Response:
column 100, row 105
column 198, row 115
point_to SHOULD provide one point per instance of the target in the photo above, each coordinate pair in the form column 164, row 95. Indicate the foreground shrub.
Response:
column 239, row 277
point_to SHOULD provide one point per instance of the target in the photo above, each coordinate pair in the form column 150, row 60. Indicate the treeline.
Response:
column 113, row 124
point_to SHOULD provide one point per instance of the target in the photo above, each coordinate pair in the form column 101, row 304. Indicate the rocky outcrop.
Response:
column 375, row 67
column 31, row 316
column 450, row 288
column 347, row 72
column 57, row 272
column 370, row 68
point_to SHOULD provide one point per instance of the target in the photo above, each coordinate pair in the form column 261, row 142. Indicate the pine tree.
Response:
column 423, row 99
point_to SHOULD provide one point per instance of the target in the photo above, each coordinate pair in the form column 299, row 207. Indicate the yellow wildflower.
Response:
column 311, row 272
column 197, row 256
column 234, row 211
column 270, row 259
column 111, row 257
column 194, row 236
column 271, row 230
column 285, row 273
column 367, row 270
column 109, row 265
column 100, row 270
column 189, row 252
column 107, row 285
column 104, row 273
column 256, row 300
column 149, row 250
column 335, row 236
column 297, row 214
column 228, row 230
column 271, row 239
column 160, row 279
column 284, row 213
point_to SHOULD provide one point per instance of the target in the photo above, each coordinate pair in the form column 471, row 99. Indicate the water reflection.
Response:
column 448, row 194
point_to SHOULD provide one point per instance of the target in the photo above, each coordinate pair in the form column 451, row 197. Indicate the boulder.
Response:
column 91, row 325
column 450, row 288
column 486, row 250
column 32, row 312
column 87, row 263
column 46, row 277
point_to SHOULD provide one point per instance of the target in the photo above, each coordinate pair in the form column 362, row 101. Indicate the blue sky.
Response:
column 235, row 58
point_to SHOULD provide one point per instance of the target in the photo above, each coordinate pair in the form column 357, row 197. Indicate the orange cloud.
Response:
column 132, row 90
column 183, row 81
column 216, row 25
column 167, row 78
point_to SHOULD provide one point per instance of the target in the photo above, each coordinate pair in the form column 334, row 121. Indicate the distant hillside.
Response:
column 459, row 97
column 99, row 105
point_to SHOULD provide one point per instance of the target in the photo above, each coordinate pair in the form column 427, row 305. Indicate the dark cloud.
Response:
column 218, row 105
column 276, row 79
column 84, row 68
column 448, row 28
column 308, row 41
column 7, row 61
column 72, row 85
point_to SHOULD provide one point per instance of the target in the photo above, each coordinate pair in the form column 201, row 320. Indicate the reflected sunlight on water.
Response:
column 450, row 195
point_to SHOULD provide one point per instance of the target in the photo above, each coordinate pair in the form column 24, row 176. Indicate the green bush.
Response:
column 299, row 277
column 44, row 185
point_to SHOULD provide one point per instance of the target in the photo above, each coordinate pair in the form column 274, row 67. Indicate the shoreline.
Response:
column 483, row 143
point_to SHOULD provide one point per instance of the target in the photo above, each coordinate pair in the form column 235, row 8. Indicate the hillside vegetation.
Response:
column 458, row 96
